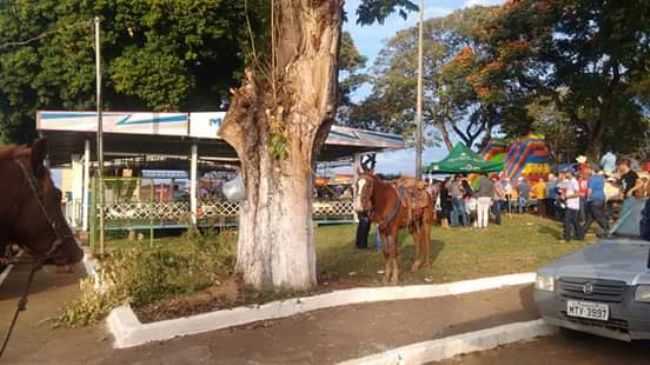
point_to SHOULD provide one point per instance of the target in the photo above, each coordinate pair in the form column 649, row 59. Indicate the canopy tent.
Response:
column 462, row 160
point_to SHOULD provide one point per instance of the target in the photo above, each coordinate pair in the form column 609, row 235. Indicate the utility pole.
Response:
column 418, row 117
column 100, row 137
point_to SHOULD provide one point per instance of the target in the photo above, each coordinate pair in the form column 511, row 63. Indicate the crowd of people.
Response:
column 577, row 196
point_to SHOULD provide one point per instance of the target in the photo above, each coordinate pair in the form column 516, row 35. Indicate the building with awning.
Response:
column 128, row 134
column 167, row 141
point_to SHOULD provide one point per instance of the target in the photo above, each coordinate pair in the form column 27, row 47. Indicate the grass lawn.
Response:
column 523, row 243
column 163, row 280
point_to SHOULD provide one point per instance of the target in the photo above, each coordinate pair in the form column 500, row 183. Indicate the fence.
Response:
column 138, row 204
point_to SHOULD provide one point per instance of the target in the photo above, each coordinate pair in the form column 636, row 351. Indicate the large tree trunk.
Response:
column 276, row 123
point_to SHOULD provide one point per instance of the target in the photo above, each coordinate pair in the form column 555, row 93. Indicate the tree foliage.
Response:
column 159, row 55
column 351, row 76
column 163, row 56
column 509, row 68
column 589, row 57
column 453, row 104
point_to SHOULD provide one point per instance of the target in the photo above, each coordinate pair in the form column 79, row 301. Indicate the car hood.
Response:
column 620, row 259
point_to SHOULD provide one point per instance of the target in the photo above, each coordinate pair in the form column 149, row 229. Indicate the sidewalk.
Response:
column 321, row 337
column 567, row 348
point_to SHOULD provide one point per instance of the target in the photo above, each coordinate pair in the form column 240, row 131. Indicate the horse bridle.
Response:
column 38, row 195
column 37, row 264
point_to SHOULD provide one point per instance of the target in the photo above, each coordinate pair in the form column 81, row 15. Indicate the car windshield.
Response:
column 629, row 224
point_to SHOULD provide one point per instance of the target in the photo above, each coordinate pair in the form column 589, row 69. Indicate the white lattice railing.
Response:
column 146, row 211
column 333, row 208
column 217, row 209
column 142, row 211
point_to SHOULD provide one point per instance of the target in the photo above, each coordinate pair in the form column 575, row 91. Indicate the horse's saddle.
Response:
column 413, row 193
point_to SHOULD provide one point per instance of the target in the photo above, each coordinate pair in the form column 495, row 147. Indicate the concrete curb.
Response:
column 129, row 331
column 448, row 347
column 5, row 273
column 90, row 265
column 7, row 270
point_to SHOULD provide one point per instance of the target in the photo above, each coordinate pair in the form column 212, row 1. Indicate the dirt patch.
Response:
column 227, row 294
column 224, row 295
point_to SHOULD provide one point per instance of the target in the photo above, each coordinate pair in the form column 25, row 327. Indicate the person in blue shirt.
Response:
column 596, row 203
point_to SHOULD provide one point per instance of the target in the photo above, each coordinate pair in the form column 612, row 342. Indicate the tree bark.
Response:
column 445, row 136
column 276, row 123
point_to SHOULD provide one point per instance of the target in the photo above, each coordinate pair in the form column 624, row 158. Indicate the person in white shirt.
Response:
column 608, row 162
column 569, row 194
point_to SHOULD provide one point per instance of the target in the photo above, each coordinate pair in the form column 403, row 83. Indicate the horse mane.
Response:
column 7, row 152
column 13, row 151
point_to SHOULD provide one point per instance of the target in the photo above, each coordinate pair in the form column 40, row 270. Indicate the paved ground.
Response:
column 321, row 337
column 566, row 348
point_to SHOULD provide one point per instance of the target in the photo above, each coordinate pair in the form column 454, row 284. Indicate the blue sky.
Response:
column 370, row 40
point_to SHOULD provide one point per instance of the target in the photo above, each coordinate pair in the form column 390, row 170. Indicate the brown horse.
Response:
column 393, row 207
column 30, row 207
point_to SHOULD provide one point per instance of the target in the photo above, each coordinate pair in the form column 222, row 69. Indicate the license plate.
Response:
column 590, row 310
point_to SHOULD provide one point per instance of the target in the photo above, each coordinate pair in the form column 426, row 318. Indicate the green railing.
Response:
column 136, row 206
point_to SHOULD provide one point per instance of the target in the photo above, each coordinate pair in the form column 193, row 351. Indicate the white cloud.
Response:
column 470, row 3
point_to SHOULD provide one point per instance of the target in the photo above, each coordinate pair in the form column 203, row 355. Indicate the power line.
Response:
column 42, row 35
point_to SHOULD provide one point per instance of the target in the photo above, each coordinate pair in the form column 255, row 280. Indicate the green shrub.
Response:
column 143, row 275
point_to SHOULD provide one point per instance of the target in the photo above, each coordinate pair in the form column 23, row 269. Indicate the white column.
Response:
column 356, row 167
column 76, row 190
column 193, row 182
column 86, row 186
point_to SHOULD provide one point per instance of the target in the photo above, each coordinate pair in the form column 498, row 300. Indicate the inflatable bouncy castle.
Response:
column 529, row 157
column 496, row 150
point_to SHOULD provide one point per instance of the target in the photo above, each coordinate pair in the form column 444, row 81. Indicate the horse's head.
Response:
column 363, row 189
column 40, row 226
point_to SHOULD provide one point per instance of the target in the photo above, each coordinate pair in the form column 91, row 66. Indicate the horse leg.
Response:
column 426, row 241
column 415, row 235
column 386, row 238
column 394, row 257
column 395, row 274
column 417, row 261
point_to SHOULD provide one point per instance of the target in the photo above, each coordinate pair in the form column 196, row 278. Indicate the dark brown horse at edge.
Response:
column 30, row 207
column 394, row 206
